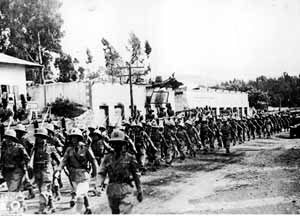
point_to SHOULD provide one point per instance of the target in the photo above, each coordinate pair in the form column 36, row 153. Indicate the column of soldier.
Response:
column 120, row 153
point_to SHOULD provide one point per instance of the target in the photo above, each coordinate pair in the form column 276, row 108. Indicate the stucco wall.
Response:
column 112, row 94
column 13, row 75
column 74, row 91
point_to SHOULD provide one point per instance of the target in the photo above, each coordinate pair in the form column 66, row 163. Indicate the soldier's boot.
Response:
column 51, row 205
column 43, row 204
column 73, row 197
column 57, row 192
column 30, row 195
column 87, row 206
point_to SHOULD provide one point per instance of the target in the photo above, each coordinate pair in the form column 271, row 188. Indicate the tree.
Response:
column 31, row 29
column 134, row 48
column 89, row 56
column 81, row 73
column 148, row 48
column 66, row 68
column 112, row 59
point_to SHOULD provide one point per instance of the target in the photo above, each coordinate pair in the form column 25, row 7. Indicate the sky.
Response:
column 203, row 41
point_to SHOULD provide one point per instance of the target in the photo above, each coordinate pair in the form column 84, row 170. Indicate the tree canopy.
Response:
column 29, row 28
column 282, row 91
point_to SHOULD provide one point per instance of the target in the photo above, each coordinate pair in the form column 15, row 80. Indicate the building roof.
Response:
column 171, row 82
column 6, row 59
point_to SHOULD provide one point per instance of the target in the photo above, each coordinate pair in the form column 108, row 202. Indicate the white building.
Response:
column 13, row 75
column 219, row 100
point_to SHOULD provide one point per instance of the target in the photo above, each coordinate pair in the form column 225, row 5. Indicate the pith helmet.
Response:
column 189, row 122
column 125, row 123
column 20, row 128
column 181, row 124
column 102, row 127
column 92, row 126
column 117, row 135
column 50, row 127
column 97, row 132
column 11, row 134
column 76, row 132
column 42, row 132
column 154, row 124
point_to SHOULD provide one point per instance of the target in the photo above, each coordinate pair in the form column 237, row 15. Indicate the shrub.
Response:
column 66, row 108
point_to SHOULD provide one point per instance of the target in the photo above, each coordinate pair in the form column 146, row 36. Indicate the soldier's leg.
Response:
column 114, row 204
column 127, row 203
column 212, row 142
column 73, row 194
column 82, row 201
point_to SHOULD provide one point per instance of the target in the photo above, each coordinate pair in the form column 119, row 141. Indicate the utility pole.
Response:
column 129, row 67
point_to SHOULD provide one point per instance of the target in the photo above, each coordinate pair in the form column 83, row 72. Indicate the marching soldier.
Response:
column 184, row 140
column 78, row 157
column 25, row 142
column 53, row 139
column 226, row 131
column 44, row 158
column 122, row 169
column 14, row 161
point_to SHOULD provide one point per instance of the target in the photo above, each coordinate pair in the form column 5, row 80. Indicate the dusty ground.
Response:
column 260, row 176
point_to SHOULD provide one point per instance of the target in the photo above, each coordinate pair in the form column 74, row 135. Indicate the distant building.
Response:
column 13, row 75
column 220, row 101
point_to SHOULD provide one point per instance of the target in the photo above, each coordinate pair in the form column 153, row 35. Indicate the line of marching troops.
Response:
column 119, row 153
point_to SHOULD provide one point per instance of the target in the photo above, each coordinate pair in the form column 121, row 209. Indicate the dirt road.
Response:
column 260, row 176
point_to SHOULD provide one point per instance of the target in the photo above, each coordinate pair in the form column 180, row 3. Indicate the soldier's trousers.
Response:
column 13, row 179
column 120, row 198
column 141, row 155
column 226, row 143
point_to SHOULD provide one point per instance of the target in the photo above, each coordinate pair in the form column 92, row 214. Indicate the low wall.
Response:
column 78, row 92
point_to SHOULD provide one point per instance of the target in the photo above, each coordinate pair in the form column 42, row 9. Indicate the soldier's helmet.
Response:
column 97, row 132
column 50, row 127
column 125, row 123
column 12, row 135
column 42, row 132
column 76, row 132
column 117, row 136
column 189, row 122
column 154, row 124
column 20, row 128
column 92, row 127
column 102, row 127
column 181, row 124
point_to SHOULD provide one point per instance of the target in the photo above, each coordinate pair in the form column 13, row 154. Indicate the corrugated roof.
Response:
column 12, row 60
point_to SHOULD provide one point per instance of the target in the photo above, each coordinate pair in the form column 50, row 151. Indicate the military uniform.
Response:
column 77, row 158
column 45, row 158
column 21, row 131
column 14, row 160
column 226, row 131
column 122, row 170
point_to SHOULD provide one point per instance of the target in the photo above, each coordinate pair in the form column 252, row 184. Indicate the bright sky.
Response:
column 208, row 39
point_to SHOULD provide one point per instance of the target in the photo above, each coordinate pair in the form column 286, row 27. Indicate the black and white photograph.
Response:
column 149, row 107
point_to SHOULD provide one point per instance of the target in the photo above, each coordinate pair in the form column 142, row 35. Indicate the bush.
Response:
column 66, row 108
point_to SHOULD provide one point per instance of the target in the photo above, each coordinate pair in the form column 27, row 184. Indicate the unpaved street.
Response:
column 260, row 176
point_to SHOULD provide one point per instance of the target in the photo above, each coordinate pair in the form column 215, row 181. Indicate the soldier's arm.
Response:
column 135, row 175
column 25, row 156
column 149, row 140
column 93, row 161
column 103, row 170
column 55, row 155
column 64, row 160
column 107, row 146
column 187, row 138
column 196, row 134
column 131, row 143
